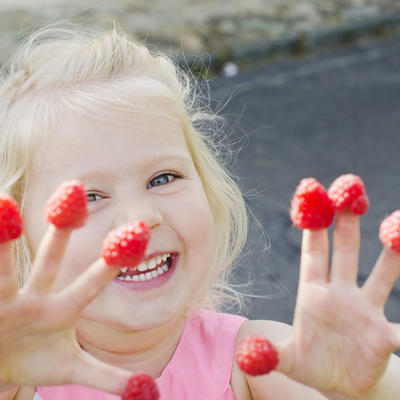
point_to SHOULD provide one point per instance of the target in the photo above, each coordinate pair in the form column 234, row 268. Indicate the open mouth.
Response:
column 148, row 270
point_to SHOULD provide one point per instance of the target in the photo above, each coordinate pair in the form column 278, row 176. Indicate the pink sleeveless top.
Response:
column 200, row 368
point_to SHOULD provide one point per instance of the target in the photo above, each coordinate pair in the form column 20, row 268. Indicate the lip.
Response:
column 155, row 254
column 153, row 283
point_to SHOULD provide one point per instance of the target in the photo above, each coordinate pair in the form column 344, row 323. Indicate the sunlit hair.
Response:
column 64, row 66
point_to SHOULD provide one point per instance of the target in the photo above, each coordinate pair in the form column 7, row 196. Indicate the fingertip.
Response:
column 347, row 212
column 57, row 231
column 256, row 355
column 390, row 255
column 109, row 271
column 348, row 192
column 347, row 218
column 389, row 231
column 56, row 237
column 360, row 205
column 11, row 221
column 141, row 386
column 314, row 240
column 66, row 208
column 285, row 356
column 126, row 245
column 311, row 208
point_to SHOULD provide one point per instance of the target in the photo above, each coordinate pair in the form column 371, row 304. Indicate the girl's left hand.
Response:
column 341, row 341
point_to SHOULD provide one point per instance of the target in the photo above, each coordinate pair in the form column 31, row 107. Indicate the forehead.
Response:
column 112, row 140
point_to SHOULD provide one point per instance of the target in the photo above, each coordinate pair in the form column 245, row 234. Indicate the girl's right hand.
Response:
column 37, row 325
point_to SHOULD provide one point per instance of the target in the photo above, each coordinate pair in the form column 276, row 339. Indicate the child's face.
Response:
column 118, row 166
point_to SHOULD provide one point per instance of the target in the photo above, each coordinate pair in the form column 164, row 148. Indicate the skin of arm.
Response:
column 277, row 385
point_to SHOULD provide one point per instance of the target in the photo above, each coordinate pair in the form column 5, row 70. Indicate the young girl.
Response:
column 103, row 110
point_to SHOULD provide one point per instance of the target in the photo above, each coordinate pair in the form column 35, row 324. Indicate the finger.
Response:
column 346, row 247
column 285, row 349
column 8, row 278
column 48, row 259
column 88, row 285
column 384, row 275
column 314, row 262
column 92, row 372
column 395, row 334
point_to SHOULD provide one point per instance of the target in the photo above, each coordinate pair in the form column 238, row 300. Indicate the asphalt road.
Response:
column 321, row 116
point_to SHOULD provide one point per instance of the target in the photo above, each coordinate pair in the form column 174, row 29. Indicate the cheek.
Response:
column 196, row 225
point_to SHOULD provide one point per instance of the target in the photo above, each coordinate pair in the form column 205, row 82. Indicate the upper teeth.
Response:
column 149, row 264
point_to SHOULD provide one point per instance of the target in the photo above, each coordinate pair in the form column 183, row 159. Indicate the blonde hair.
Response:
column 66, row 65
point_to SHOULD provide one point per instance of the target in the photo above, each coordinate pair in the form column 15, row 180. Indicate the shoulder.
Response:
column 273, row 329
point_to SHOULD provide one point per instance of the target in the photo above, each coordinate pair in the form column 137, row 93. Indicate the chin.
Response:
column 138, row 320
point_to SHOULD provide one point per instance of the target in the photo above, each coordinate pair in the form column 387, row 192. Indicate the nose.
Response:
column 145, row 211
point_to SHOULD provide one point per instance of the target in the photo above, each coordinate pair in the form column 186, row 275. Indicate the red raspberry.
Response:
column 141, row 387
column 11, row 224
column 256, row 355
column 311, row 208
column 389, row 231
column 67, row 206
column 125, row 246
column 349, row 191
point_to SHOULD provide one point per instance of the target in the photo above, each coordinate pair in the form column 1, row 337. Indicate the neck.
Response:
column 138, row 351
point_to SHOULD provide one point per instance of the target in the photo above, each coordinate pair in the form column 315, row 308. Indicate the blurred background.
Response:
column 211, row 30
column 307, row 87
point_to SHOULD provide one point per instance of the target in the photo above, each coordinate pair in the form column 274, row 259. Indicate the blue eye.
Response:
column 91, row 197
column 162, row 179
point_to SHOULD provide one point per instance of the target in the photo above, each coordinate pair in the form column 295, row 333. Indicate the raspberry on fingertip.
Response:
column 11, row 223
column 141, row 387
column 67, row 206
column 349, row 191
column 389, row 231
column 311, row 208
column 256, row 355
column 126, row 245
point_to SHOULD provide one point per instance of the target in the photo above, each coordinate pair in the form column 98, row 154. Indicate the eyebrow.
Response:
column 91, row 174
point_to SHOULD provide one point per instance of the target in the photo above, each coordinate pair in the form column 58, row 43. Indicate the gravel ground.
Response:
column 189, row 27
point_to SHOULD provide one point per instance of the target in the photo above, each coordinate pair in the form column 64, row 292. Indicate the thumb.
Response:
column 285, row 350
column 94, row 373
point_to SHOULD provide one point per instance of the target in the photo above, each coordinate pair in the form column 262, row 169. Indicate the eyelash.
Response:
column 173, row 174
